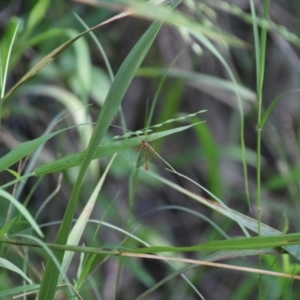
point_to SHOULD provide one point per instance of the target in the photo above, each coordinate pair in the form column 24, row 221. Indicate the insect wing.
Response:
column 141, row 159
column 151, row 156
column 146, row 155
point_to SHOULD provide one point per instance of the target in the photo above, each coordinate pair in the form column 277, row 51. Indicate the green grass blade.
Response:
column 6, row 59
column 25, row 149
column 33, row 159
column 83, row 219
column 248, row 243
column 37, row 14
column 271, row 107
column 47, row 60
column 241, row 219
column 103, row 150
column 259, row 242
column 6, row 56
column 70, row 101
column 116, row 93
column 281, row 181
column 8, row 265
column 212, row 158
column 51, row 256
column 155, row 98
column 99, row 46
column 150, row 10
column 5, row 228
column 32, row 288
column 203, row 82
column 23, row 211
column 195, row 213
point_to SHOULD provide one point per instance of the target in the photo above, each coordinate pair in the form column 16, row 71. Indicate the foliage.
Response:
column 78, row 198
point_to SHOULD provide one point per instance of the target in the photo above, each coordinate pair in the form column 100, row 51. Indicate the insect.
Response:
column 146, row 155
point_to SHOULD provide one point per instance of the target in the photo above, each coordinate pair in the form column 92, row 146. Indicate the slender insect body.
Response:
column 146, row 155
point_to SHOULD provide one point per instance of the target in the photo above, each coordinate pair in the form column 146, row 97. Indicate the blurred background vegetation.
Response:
column 209, row 154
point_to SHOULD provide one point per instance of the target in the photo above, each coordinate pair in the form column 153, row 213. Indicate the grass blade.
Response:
column 103, row 150
column 118, row 89
column 23, row 210
column 25, row 149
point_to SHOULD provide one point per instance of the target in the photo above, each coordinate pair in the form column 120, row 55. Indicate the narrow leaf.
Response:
column 103, row 150
column 111, row 105
column 8, row 265
column 23, row 210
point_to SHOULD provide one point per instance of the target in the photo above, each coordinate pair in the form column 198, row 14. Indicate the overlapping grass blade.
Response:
column 22, row 209
column 117, row 91
column 105, row 149
column 151, row 10
column 25, row 149
column 242, row 219
column 46, row 60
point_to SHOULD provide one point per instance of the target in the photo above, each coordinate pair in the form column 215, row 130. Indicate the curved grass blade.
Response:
column 26, row 148
column 271, row 107
column 6, row 56
column 48, row 59
column 103, row 150
column 111, row 105
column 23, row 211
column 82, row 221
column 240, row 218
column 203, row 82
column 4, row 263
column 4, row 294
column 150, row 10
